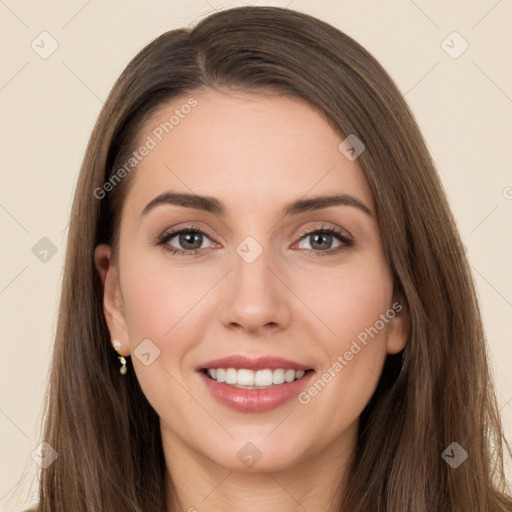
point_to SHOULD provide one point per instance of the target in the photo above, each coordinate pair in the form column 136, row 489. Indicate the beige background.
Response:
column 48, row 107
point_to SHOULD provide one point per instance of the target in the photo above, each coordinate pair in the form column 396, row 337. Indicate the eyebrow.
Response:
column 213, row 205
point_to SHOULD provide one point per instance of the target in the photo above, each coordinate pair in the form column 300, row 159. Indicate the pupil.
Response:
column 326, row 238
column 186, row 238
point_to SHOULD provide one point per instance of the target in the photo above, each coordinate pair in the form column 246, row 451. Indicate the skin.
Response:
column 254, row 153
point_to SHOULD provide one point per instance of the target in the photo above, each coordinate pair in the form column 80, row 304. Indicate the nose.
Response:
column 256, row 299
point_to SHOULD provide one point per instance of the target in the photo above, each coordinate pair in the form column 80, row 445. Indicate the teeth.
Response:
column 249, row 379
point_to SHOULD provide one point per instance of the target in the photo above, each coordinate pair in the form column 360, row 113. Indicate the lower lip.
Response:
column 255, row 400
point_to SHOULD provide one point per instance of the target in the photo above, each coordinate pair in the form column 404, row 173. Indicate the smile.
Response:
column 255, row 399
column 244, row 378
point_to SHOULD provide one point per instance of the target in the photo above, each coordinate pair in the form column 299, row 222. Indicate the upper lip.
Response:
column 253, row 363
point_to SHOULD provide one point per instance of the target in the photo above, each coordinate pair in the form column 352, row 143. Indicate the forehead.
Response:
column 249, row 150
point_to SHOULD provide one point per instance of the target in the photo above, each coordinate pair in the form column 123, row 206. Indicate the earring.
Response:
column 117, row 345
column 123, row 368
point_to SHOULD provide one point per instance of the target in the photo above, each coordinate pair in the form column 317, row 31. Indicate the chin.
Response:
column 257, row 455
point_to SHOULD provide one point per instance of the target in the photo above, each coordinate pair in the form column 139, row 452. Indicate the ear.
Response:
column 112, row 301
column 399, row 327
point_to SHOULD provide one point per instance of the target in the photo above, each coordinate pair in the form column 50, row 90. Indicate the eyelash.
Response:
column 347, row 242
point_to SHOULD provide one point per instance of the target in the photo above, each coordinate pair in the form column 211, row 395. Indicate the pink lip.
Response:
column 259, row 363
column 255, row 400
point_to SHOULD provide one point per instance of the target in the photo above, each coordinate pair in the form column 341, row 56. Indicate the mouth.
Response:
column 255, row 390
column 254, row 383
column 265, row 378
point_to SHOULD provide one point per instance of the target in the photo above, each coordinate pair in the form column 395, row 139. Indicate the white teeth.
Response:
column 245, row 378
column 250, row 379
column 263, row 378
column 289, row 375
column 231, row 376
column 278, row 376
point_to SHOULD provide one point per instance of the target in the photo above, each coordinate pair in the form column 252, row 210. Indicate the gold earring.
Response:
column 117, row 345
column 123, row 368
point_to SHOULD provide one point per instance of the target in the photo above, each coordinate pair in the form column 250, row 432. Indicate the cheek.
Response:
column 146, row 304
column 345, row 302
column 353, row 361
column 156, row 299
column 158, row 305
column 353, row 309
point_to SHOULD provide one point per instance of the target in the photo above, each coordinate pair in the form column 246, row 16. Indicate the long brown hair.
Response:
column 439, row 390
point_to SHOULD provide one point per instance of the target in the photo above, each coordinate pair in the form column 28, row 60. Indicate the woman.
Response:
column 266, row 304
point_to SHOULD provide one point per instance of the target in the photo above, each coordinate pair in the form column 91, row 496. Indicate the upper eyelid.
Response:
column 184, row 229
column 308, row 231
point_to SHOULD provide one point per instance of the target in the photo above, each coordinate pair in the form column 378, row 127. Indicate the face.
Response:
column 246, row 275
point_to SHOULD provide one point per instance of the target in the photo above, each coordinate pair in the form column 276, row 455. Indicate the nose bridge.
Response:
column 255, row 297
column 251, row 266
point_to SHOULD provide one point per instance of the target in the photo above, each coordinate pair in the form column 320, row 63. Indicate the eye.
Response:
column 321, row 240
column 189, row 240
